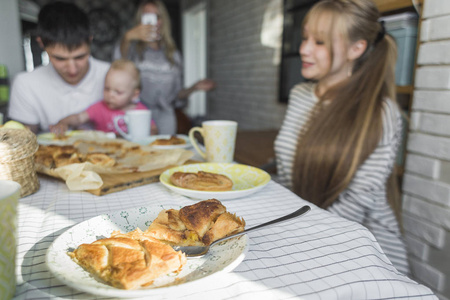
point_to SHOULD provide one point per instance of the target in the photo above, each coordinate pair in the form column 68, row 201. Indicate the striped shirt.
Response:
column 364, row 200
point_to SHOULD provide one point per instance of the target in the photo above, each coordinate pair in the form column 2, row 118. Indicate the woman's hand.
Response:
column 142, row 32
column 201, row 85
column 205, row 85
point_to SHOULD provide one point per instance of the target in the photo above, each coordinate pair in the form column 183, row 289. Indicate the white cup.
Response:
column 220, row 139
column 138, row 123
column 9, row 196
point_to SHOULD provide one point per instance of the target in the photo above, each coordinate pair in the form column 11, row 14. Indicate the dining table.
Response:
column 316, row 256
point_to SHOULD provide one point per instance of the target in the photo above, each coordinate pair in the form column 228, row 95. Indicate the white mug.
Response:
column 138, row 123
column 220, row 139
column 9, row 196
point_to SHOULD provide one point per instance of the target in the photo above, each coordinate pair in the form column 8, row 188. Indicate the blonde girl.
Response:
column 339, row 139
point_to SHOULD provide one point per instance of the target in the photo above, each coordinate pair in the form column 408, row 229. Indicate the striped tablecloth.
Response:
column 317, row 256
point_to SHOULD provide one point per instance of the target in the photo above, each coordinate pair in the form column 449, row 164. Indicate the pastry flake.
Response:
column 128, row 260
column 201, row 181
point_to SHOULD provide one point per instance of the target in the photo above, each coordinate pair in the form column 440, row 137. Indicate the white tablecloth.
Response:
column 316, row 256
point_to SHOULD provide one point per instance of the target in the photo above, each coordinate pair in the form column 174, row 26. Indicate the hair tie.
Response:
column 381, row 33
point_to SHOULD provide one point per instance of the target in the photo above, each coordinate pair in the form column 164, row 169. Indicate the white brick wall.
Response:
column 433, row 77
column 424, row 166
column 426, row 184
column 434, row 53
column 432, row 101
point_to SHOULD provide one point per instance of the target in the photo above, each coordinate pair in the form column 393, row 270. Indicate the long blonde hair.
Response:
column 343, row 133
column 166, row 30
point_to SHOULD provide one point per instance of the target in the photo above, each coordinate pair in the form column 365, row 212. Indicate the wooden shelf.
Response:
column 407, row 89
column 392, row 5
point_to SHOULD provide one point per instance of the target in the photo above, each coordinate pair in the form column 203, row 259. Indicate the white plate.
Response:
column 224, row 257
column 246, row 180
column 49, row 138
column 151, row 139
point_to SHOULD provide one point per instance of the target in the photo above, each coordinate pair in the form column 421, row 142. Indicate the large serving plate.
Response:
column 151, row 139
column 223, row 257
column 49, row 138
column 246, row 180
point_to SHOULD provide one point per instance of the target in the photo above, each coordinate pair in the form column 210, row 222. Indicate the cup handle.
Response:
column 194, row 140
column 119, row 130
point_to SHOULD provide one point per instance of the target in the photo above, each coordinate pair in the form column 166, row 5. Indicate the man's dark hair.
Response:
column 63, row 23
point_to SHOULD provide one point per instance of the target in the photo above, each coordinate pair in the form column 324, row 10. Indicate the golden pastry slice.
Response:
column 173, row 140
column 195, row 225
column 226, row 224
column 202, row 181
column 64, row 159
column 128, row 260
column 44, row 159
column 100, row 159
column 168, row 228
column 200, row 216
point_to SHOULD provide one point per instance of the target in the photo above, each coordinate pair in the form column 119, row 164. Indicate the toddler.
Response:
column 121, row 93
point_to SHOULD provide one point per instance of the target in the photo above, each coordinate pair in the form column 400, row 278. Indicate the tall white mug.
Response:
column 9, row 196
column 138, row 123
column 220, row 139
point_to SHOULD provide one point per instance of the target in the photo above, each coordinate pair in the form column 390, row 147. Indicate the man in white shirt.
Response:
column 70, row 83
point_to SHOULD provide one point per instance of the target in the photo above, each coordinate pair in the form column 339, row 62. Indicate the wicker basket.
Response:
column 17, row 149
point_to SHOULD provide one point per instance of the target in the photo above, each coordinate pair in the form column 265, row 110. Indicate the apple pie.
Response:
column 128, row 260
column 195, row 225
column 202, row 181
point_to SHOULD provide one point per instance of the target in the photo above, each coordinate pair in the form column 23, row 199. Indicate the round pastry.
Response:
column 173, row 140
column 100, row 159
column 202, row 181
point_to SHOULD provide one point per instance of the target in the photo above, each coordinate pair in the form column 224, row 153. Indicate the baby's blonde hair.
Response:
column 130, row 67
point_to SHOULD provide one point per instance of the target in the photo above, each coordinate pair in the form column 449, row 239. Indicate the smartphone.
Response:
column 149, row 18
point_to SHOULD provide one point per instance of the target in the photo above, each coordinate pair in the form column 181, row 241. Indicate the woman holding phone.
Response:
column 149, row 44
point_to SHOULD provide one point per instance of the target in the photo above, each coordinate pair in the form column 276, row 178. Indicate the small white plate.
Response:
column 49, row 138
column 246, row 180
column 151, row 139
column 223, row 257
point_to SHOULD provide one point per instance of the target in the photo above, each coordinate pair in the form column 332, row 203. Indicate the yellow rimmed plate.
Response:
column 246, row 180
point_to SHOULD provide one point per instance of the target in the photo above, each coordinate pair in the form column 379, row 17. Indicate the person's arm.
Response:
column 201, row 85
column 74, row 120
column 22, row 104
column 33, row 128
column 140, row 32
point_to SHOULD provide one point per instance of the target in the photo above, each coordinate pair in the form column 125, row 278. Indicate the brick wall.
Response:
column 426, row 185
column 243, row 68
